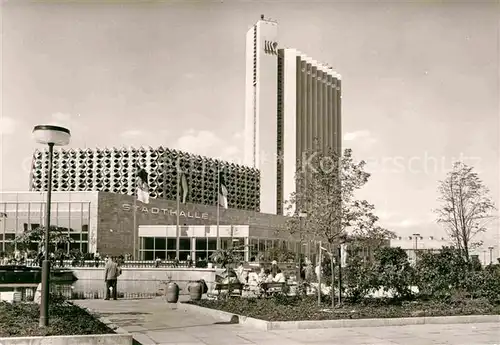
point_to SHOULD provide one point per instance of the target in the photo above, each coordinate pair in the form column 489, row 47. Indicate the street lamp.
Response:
column 491, row 254
column 52, row 136
column 416, row 245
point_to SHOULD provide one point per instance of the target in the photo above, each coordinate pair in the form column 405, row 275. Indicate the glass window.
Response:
column 76, row 217
column 201, row 244
column 209, row 254
column 262, row 245
column 161, row 254
column 239, row 243
column 10, row 237
column 148, row 255
column 185, row 244
column 201, row 255
column 225, row 242
column 148, row 243
column 212, row 244
column 171, row 245
column 183, row 255
column 75, row 237
column 160, row 243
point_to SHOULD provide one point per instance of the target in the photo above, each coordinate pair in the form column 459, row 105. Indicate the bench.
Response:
column 230, row 287
column 269, row 289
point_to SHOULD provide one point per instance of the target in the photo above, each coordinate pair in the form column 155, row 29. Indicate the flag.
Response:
column 184, row 187
column 142, row 186
column 222, row 191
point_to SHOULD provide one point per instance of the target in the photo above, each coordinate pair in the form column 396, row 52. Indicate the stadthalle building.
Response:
column 93, row 200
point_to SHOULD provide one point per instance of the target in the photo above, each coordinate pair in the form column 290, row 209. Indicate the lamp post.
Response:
column 491, row 254
column 342, row 241
column 302, row 216
column 52, row 136
column 416, row 245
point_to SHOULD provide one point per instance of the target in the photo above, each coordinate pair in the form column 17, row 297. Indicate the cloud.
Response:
column 362, row 135
column 7, row 125
column 71, row 121
column 132, row 133
column 384, row 214
column 207, row 143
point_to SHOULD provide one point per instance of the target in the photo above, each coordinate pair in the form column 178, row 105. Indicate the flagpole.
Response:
column 218, row 206
column 135, row 225
column 177, row 232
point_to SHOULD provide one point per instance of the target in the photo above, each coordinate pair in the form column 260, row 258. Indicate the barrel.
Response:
column 195, row 291
column 172, row 292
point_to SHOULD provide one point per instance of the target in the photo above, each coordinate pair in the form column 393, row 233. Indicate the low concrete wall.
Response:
column 107, row 339
column 317, row 324
column 141, row 280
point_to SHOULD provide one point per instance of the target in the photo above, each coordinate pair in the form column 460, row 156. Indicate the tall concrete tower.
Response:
column 261, row 108
column 291, row 101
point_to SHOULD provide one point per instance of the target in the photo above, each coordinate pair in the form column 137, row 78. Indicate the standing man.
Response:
column 111, row 274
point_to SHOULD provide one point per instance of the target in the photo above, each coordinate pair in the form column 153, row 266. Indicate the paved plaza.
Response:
column 154, row 321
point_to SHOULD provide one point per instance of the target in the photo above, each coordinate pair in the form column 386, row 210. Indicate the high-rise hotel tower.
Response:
column 291, row 101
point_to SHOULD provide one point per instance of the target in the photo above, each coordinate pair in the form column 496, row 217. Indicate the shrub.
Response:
column 489, row 287
column 359, row 278
column 439, row 274
column 394, row 272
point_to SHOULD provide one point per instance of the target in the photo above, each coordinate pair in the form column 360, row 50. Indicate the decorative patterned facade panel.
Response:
column 113, row 170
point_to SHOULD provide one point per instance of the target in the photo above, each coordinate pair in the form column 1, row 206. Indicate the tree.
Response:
column 226, row 257
column 465, row 207
column 37, row 235
column 326, row 185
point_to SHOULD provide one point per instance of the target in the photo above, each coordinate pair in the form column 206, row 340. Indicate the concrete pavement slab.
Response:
column 155, row 322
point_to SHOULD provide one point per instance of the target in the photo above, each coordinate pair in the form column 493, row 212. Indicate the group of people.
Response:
column 257, row 276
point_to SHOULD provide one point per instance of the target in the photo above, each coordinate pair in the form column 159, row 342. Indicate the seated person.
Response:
column 280, row 277
column 262, row 275
column 269, row 276
column 244, row 277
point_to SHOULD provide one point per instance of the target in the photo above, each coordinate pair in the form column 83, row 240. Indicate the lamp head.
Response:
column 50, row 134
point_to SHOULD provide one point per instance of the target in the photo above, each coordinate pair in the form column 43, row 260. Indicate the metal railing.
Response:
column 102, row 263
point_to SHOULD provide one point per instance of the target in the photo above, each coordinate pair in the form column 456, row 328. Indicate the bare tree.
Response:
column 326, row 186
column 466, row 207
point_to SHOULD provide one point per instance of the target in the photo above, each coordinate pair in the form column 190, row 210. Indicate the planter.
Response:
column 195, row 291
column 172, row 292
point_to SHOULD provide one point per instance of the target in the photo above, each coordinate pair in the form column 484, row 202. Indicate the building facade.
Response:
column 104, row 222
column 114, row 170
column 309, row 110
column 292, row 101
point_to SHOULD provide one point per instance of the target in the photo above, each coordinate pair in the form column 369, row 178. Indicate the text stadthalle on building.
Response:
column 169, row 211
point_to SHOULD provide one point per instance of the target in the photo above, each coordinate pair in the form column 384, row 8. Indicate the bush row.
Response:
column 441, row 275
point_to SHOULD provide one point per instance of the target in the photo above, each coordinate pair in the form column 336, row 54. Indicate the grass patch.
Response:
column 21, row 320
column 290, row 308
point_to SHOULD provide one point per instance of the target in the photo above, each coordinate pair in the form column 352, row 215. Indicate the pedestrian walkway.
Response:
column 153, row 321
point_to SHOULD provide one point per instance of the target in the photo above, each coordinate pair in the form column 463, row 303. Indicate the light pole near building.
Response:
column 416, row 245
column 491, row 254
column 51, row 136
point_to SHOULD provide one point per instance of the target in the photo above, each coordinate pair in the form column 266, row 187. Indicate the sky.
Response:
column 420, row 85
